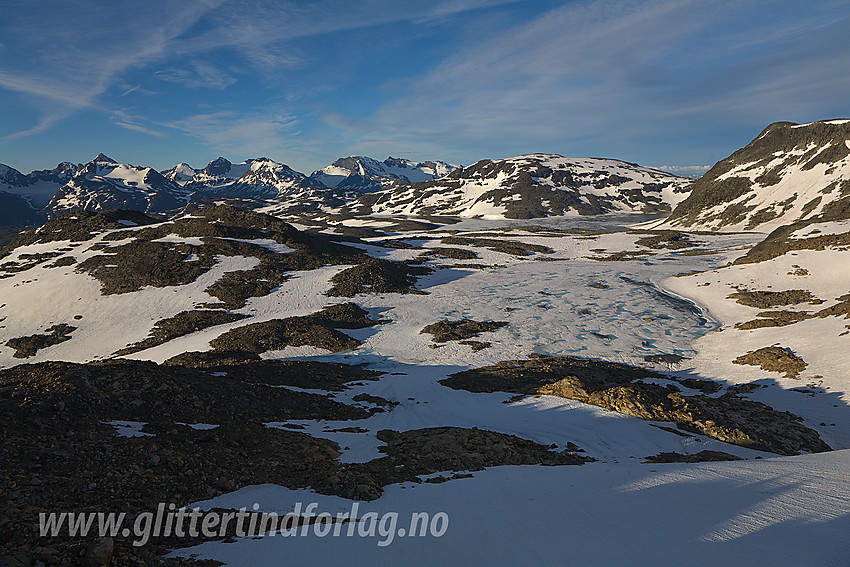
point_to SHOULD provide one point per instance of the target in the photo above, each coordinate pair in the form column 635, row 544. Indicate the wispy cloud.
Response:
column 90, row 47
column 248, row 134
column 48, row 88
column 129, row 122
column 591, row 77
column 130, row 90
column 200, row 75
column 45, row 122
column 259, row 27
column 611, row 75
column 138, row 128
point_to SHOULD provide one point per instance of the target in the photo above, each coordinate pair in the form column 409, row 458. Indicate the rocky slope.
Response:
column 789, row 173
column 531, row 186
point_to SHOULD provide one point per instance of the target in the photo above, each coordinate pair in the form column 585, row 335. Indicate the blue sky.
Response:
column 667, row 83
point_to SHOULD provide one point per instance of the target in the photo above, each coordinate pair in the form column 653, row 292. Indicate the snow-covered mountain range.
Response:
column 365, row 174
column 39, row 186
column 531, row 186
column 103, row 183
column 790, row 172
column 522, row 187
column 22, row 196
column 259, row 178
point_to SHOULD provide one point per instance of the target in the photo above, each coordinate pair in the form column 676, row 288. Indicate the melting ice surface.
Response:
column 589, row 309
column 574, row 306
column 609, row 222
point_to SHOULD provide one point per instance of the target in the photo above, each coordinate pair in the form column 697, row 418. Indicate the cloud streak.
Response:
column 200, row 75
column 90, row 47
column 611, row 75
column 246, row 134
column 88, row 51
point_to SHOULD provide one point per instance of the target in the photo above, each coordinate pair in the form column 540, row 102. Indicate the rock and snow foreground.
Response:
column 779, row 511
column 308, row 366
column 555, row 386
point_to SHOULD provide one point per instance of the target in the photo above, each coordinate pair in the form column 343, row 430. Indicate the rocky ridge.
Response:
column 788, row 174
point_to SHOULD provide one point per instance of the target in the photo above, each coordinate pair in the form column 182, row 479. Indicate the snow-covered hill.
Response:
column 530, row 186
column 783, row 308
column 365, row 174
column 790, row 172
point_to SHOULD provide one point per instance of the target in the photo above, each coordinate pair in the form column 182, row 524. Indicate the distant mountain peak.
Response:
column 218, row 166
column 181, row 173
column 103, row 158
column 11, row 176
column 365, row 174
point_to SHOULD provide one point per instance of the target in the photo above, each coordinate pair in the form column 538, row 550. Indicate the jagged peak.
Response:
column 102, row 158
column 218, row 166
column 8, row 169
